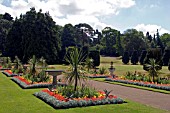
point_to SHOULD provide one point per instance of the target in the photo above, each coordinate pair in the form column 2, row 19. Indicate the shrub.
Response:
column 95, row 55
column 166, row 57
column 102, row 70
column 125, row 58
column 169, row 65
column 142, row 57
column 134, row 58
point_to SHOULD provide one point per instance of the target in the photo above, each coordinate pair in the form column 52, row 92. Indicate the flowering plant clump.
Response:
column 26, row 84
column 9, row 73
column 141, row 83
column 57, row 100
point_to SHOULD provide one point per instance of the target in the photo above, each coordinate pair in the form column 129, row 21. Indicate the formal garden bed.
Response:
column 58, row 101
column 140, row 83
column 22, row 82
column 9, row 73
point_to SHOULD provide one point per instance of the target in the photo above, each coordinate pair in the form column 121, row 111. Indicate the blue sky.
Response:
column 143, row 15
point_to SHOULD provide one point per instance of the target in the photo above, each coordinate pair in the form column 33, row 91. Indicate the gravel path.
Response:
column 154, row 99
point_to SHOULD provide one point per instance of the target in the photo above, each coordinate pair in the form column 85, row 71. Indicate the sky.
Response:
column 143, row 15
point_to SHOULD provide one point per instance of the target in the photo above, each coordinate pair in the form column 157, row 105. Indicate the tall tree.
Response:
column 34, row 33
column 165, row 39
column 5, row 26
column 133, row 40
column 84, row 34
column 109, row 41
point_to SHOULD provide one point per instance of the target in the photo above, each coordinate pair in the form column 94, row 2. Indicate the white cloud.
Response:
column 71, row 11
column 152, row 29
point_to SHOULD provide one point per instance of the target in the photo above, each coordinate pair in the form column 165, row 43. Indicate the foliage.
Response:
column 169, row 65
column 89, row 64
column 34, row 33
column 6, row 62
column 165, row 38
column 5, row 26
column 134, row 58
column 133, row 40
column 18, row 68
column 36, row 70
column 102, row 70
column 153, row 69
column 125, row 58
column 95, row 55
column 142, row 57
column 83, row 91
column 74, row 57
column 153, row 53
column 136, row 76
column 166, row 57
column 108, row 41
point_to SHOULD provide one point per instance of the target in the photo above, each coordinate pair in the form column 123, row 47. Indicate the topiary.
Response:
column 169, row 65
column 125, row 58
column 166, row 57
column 142, row 57
column 134, row 58
column 95, row 55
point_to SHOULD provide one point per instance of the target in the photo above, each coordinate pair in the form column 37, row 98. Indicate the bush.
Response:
column 125, row 58
column 95, row 55
column 102, row 70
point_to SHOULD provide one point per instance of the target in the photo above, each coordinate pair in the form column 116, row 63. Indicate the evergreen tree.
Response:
column 166, row 57
column 142, row 57
column 118, row 44
column 158, row 40
column 134, row 58
column 34, row 33
column 169, row 65
column 125, row 58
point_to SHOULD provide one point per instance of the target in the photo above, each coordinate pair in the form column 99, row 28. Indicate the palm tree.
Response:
column 153, row 69
column 74, row 58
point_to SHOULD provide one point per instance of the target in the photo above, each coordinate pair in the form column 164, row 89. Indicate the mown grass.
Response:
column 17, row 100
column 121, row 68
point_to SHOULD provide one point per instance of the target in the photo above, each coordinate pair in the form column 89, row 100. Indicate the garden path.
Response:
column 154, row 99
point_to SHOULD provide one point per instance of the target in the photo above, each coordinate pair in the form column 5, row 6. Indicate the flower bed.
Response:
column 22, row 82
column 141, row 83
column 9, row 73
column 97, row 76
column 58, row 101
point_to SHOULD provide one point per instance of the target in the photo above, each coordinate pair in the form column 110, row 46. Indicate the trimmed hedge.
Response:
column 57, row 104
column 25, row 86
column 139, row 84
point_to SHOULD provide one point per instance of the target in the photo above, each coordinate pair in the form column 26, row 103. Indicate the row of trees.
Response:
column 35, row 33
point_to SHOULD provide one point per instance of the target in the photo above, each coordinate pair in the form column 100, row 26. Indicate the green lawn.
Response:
column 121, row 69
column 17, row 100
